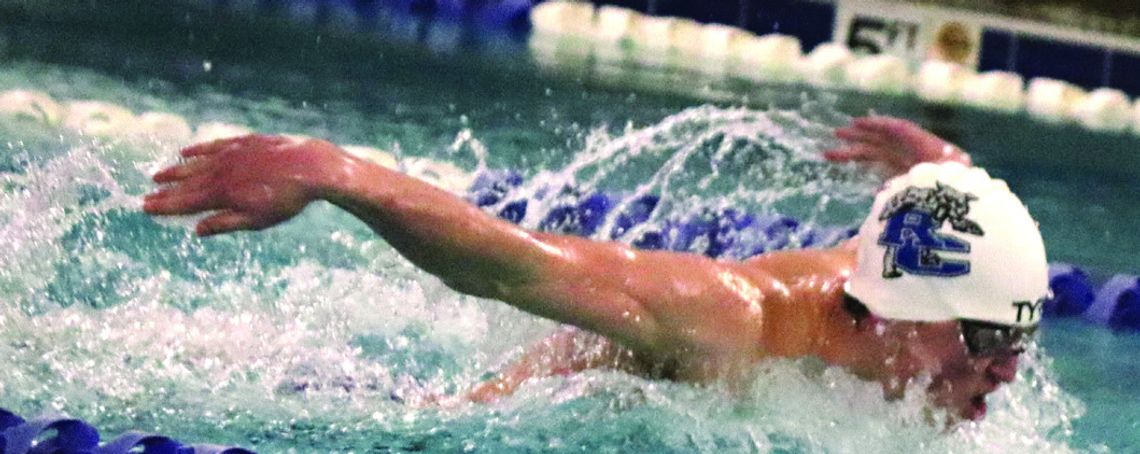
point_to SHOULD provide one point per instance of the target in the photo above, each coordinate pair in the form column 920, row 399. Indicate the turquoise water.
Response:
column 298, row 338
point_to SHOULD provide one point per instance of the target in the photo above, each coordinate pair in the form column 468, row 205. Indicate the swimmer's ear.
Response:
column 858, row 311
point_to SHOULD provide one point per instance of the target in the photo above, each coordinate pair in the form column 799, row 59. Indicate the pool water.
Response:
column 316, row 336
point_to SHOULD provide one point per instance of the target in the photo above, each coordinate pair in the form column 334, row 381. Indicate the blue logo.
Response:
column 914, row 218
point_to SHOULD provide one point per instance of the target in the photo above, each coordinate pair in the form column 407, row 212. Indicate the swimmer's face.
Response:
column 960, row 380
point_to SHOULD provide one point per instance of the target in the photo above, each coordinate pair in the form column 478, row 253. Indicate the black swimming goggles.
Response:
column 990, row 339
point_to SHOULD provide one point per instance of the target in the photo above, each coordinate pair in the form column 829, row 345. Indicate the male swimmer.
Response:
column 944, row 280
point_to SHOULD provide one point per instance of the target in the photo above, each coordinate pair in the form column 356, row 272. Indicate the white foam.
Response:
column 440, row 174
column 33, row 218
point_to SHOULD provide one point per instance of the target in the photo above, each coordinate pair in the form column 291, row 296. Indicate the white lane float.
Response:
column 656, row 34
column 653, row 39
column 996, row 90
column 216, row 130
column 615, row 24
column 721, row 41
column 826, row 65
column 373, row 155
column 687, row 37
column 882, row 73
column 942, row 82
column 563, row 18
column 717, row 45
column 1052, row 100
column 97, row 118
column 619, row 33
column 30, row 105
column 162, row 126
column 544, row 52
column 770, row 57
column 1136, row 117
column 653, row 33
column 1104, row 109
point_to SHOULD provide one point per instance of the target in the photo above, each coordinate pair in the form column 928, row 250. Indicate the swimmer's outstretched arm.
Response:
column 893, row 144
column 656, row 303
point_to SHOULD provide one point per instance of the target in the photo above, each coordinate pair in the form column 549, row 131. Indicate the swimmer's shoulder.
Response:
column 795, row 265
column 800, row 288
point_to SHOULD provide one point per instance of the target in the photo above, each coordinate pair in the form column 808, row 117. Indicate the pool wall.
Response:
column 1057, row 74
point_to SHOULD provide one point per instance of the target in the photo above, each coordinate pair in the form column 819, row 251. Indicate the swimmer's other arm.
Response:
column 656, row 303
column 893, row 145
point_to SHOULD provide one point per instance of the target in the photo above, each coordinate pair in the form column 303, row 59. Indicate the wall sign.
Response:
column 912, row 33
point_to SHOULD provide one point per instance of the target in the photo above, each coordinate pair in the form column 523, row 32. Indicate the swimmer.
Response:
column 945, row 279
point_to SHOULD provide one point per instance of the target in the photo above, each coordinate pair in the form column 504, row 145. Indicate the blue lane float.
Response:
column 1072, row 291
column 717, row 233
column 731, row 234
column 63, row 435
column 1117, row 303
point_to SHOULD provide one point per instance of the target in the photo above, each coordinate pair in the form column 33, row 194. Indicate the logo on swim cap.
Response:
column 926, row 226
column 911, row 236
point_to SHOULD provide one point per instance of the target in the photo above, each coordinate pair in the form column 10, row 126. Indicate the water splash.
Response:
column 701, row 162
column 308, row 336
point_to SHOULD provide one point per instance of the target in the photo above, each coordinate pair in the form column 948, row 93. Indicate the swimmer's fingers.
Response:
column 232, row 144
column 882, row 157
column 176, row 201
column 903, row 132
column 229, row 221
column 889, row 126
column 204, row 148
column 182, row 171
column 852, row 153
column 859, row 135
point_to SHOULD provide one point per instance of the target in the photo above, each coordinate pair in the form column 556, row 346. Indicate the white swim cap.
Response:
column 947, row 242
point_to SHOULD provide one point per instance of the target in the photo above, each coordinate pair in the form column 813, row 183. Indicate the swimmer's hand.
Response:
column 252, row 182
column 893, row 144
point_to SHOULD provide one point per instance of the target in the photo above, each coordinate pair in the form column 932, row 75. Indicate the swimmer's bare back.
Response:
column 793, row 332
column 703, row 319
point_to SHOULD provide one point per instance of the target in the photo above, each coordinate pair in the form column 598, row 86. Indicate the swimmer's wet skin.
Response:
column 944, row 280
